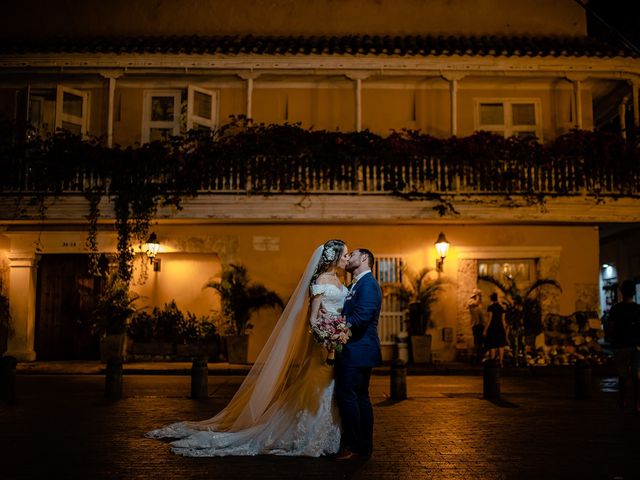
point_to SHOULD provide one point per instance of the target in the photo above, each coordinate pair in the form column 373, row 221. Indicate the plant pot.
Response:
column 418, row 320
column 237, row 348
column 113, row 347
column 421, row 348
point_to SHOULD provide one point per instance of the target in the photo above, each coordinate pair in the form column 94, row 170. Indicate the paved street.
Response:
column 62, row 428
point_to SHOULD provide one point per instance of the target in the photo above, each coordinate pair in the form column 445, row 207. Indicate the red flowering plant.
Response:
column 332, row 332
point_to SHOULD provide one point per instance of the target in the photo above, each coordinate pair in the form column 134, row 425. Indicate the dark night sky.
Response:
column 617, row 13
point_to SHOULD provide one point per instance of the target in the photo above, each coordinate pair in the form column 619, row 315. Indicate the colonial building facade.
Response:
column 446, row 68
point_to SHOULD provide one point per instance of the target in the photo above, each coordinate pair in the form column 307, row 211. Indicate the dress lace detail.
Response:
column 302, row 426
column 332, row 296
column 302, row 421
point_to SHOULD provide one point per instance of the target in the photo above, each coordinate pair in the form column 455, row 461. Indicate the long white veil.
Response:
column 282, row 363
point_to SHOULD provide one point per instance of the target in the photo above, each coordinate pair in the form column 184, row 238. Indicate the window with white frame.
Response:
column 41, row 112
column 521, row 270
column 520, row 118
column 72, row 110
column 161, row 114
column 59, row 107
column 163, row 110
column 202, row 109
column 389, row 269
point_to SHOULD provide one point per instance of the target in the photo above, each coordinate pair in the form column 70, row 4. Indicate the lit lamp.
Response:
column 152, row 247
column 442, row 247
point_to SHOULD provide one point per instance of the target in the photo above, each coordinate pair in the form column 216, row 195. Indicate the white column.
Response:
column 576, row 104
column 453, row 86
column 357, row 77
column 112, row 94
column 248, row 103
column 453, row 78
column 622, row 114
column 577, row 101
column 358, row 104
column 635, row 84
column 249, row 99
column 22, row 302
column 111, row 77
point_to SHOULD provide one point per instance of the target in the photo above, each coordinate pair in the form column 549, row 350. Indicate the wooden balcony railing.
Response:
column 421, row 176
column 582, row 164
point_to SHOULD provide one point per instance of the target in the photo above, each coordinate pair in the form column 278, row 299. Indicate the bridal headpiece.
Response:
column 330, row 254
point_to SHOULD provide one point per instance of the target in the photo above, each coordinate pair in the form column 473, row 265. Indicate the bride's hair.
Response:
column 331, row 253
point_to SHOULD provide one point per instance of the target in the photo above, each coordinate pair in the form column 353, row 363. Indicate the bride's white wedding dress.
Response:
column 285, row 406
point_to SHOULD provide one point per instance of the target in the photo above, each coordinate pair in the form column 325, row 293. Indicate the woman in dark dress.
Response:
column 495, row 333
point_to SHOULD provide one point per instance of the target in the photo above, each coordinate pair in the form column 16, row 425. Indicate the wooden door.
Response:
column 66, row 296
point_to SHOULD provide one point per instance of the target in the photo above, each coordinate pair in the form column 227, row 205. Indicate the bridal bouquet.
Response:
column 332, row 332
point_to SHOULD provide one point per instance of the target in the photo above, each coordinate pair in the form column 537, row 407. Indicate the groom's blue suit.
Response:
column 353, row 367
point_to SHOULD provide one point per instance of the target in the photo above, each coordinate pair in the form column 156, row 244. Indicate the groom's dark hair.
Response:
column 372, row 259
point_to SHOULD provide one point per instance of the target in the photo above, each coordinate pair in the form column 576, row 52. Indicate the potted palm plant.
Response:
column 240, row 298
column 417, row 293
column 110, row 318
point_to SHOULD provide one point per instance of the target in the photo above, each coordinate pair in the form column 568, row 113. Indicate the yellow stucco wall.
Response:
column 181, row 278
column 127, row 123
column 423, row 106
column 98, row 111
column 184, row 274
column 280, row 270
column 292, row 17
column 232, row 102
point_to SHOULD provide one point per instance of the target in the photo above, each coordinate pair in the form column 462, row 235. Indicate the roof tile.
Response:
column 375, row 45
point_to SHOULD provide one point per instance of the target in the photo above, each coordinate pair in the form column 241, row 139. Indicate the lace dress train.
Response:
column 302, row 420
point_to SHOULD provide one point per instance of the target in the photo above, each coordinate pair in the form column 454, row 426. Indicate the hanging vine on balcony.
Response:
column 91, row 243
column 271, row 159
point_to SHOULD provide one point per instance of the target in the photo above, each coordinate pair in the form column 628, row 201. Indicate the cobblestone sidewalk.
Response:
column 62, row 428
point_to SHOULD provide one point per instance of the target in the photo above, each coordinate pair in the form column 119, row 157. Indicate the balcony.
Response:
column 266, row 166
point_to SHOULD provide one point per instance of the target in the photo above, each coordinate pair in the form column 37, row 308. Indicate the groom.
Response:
column 361, row 353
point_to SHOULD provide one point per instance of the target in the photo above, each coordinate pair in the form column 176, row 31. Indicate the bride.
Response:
column 285, row 405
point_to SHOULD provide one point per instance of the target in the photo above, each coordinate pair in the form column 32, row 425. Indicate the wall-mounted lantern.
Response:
column 442, row 247
column 151, row 248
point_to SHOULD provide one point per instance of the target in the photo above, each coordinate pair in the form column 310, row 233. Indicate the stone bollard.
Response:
column 8, row 379
column 113, row 379
column 402, row 344
column 398, row 379
column 199, row 378
column 491, row 380
column 582, row 379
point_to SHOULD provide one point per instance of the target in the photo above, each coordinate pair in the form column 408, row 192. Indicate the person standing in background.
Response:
column 495, row 333
column 477, row 325
column 624, row 318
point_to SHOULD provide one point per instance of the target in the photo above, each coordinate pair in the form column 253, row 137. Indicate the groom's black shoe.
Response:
column 345, row 454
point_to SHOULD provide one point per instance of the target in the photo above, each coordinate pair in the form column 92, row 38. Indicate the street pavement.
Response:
column 61, row 427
